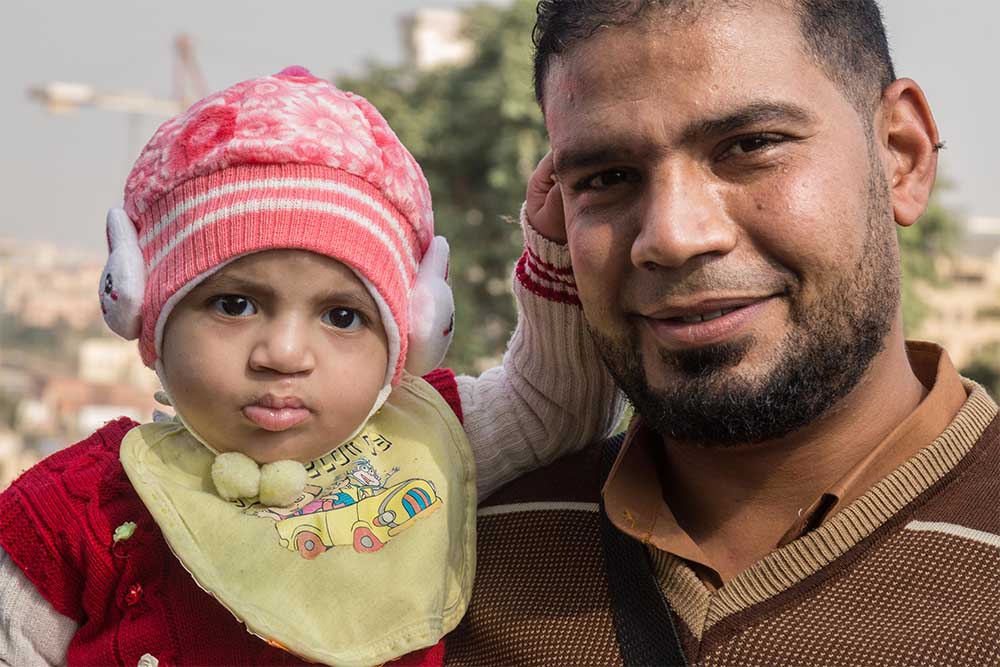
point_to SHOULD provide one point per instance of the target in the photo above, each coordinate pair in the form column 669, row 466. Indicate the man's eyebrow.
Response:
column 757, row 113
column 591, row 156
column 609, row 150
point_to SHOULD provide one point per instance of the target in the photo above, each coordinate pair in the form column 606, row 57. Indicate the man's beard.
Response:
column 822, row 358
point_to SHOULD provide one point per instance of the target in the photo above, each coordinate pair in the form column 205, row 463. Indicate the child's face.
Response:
column 279, row 355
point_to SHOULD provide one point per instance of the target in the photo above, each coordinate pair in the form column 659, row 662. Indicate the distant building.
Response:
column 92, row 417
column 17, row 382
column 47, row 287
column 59, row 378
column 34, row 417
column 982, row 237
column 14, row 458
column 965, row 308
column 110, row 360
column 433, row 37
column 77, row 405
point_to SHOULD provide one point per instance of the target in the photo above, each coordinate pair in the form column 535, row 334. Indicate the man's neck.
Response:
column 737, row 502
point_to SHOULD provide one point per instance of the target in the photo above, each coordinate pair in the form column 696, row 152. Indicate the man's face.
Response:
column 728, row 219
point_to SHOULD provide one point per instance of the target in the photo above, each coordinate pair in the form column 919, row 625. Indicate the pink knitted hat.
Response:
column 283, row 161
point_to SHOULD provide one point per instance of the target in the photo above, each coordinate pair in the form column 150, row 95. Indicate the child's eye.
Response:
column 343, row 318
column 233, row 305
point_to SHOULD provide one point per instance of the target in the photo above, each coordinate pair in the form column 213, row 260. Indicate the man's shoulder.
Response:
column 572, row 478
column 541, row 594
column 968, row 489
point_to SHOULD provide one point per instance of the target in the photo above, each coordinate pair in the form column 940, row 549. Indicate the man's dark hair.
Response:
column 845, row 37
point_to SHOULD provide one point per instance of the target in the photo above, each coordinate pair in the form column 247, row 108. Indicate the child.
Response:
column 276, row 261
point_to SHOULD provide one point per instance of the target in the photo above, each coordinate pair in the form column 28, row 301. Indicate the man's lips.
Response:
column 704, row 322
column 277, row 413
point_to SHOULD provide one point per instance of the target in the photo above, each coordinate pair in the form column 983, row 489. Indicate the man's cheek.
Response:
column 601, row 302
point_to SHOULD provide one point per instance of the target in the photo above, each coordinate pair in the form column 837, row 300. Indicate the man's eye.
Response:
column 343, row 318
column 743, row 146
column 233, row 305
column 607, row 179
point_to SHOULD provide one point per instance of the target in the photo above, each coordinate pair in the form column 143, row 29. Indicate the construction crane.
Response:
column 187, row 73
column 63, row 97
column 189, row 84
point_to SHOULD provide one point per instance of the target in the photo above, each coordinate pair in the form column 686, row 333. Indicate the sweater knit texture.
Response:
column 908, row 574
column 130, row 597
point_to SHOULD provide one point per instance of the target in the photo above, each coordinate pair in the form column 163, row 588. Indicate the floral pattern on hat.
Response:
column 290, row 117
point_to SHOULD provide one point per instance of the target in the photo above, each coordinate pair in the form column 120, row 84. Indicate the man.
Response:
column 801, row 485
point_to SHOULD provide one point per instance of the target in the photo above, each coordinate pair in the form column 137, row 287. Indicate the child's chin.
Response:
column 289, row 450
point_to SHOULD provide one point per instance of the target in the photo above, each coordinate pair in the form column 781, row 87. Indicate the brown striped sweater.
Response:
column 908, row 574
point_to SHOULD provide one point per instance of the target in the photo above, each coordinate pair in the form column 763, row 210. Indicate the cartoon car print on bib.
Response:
column 359, row 509
column 367, row 525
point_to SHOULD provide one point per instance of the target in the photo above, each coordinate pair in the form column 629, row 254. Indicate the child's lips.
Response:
column 275, row 419
column 273, row 413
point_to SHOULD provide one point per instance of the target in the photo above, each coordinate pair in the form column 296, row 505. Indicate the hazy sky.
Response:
column 60, row 173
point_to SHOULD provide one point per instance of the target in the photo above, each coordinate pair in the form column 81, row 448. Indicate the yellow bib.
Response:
column 375, row 560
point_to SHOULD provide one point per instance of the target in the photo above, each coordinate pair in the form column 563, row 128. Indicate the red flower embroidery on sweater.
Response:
column 133, row 595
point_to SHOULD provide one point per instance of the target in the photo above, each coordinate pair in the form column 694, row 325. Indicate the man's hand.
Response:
column 543, row 202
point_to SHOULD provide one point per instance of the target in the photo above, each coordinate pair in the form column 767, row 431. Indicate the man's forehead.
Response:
column 706, row 37
column 699, row 73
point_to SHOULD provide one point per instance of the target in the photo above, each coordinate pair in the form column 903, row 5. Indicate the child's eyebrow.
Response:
column 351, row 298
column 235, row 284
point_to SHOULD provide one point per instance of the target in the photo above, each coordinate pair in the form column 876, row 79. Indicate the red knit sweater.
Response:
column 134, row 597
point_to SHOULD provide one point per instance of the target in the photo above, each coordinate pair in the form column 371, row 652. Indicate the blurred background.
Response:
column 86, row 84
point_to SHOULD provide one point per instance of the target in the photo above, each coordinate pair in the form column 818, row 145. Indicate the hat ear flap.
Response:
column 123, row 281
column 432, row 311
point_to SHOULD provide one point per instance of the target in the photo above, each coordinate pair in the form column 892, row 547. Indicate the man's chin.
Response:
column 731, row 394
column 665, row 369
column 721, row 407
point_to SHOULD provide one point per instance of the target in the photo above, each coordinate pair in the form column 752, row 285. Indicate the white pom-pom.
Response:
column 432, row 311
column 281, row 483
column 235, row 475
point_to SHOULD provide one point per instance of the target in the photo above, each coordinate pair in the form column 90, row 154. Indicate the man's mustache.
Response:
column 709, row 280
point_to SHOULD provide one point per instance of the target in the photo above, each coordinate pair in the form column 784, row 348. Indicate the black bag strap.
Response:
column 644, row 625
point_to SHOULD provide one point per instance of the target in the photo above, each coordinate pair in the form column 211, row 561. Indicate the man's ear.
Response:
column 910, row 137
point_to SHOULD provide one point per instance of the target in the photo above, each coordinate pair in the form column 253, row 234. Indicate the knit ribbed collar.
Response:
column 700, row 606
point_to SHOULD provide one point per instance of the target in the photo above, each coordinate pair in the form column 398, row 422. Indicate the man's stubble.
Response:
column 824, row 355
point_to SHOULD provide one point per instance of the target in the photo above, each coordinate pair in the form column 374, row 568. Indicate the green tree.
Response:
column 477, row 134
column 934, row 236
column 984, row 368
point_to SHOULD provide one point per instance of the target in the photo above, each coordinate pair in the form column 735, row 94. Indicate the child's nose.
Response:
column 284, row 347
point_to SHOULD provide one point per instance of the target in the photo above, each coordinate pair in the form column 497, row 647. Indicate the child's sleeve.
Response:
column 32, row 632
column 552, row 394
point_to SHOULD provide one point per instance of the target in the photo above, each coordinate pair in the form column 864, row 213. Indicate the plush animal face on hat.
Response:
column 281, row 162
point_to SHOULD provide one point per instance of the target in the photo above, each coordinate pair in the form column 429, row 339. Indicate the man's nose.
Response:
column 284, row 346
column 682, row 219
